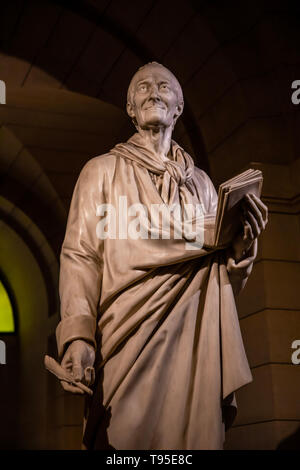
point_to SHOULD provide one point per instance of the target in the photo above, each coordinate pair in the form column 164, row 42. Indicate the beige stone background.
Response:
column 66, row 71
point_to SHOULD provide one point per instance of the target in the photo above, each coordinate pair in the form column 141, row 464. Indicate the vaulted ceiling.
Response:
column 94, row 46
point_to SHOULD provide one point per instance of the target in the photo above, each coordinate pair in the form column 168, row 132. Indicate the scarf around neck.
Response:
column 177, row 171
column 177, row 176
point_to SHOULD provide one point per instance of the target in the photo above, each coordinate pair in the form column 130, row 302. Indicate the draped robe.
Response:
column 162, row 318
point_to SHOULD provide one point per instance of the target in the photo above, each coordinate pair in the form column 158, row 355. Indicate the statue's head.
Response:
column 154, row 97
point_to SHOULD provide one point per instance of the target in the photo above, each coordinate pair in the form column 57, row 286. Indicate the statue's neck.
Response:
column 157, row 140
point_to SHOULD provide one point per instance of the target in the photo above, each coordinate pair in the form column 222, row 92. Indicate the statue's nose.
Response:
column 154, row 93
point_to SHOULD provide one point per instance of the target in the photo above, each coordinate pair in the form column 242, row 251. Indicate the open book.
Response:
column 231, row 193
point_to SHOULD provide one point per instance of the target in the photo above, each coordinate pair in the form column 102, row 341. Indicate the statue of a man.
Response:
column 160, row 318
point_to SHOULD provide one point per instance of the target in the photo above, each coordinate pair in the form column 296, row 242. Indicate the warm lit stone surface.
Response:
column 273, row 394
column 261, row 436
column 268, row 335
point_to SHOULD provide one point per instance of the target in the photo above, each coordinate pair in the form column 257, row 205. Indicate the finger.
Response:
column 77, row 372
column 254, row 225
column 77, row 369
column 262, row 206
column 70, row 388
column 89, row 375
column 242, row 217
column 255, row 212
column 66, row 362
column 248, row 235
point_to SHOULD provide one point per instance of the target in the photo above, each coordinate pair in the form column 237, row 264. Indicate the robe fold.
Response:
column 162, row 317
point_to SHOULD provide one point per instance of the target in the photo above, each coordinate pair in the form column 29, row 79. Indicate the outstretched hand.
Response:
column 79, row 360
column 254, row 219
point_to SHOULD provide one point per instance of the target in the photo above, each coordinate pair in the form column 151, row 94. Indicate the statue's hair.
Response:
column 178, row 87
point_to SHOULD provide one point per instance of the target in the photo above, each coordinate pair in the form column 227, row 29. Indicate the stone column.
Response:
column 269, row 309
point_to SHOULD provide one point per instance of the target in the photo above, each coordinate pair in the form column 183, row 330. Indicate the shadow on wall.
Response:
column 292, row 442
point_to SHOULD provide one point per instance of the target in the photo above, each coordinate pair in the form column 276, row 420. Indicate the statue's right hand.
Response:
column 79, row 360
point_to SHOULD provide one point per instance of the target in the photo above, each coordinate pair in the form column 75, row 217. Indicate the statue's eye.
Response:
column 143, row 88
column 164, row 87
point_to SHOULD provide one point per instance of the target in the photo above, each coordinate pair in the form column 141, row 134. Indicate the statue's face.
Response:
column 155, row 99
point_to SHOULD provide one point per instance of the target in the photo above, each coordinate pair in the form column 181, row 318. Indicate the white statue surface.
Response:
column 153, row 314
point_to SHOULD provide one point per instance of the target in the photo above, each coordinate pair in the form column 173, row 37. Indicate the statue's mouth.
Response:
column 154, row 106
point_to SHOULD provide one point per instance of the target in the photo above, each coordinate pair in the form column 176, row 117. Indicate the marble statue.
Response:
column 155, row 318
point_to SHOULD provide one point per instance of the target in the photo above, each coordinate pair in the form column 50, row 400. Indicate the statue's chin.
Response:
column 156, row 122
column 155, row 116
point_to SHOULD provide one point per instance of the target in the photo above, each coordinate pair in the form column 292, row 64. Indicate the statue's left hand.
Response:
column 255, row 219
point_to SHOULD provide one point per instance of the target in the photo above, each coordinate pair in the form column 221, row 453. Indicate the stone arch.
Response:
column 25, row 184
column 26, row 419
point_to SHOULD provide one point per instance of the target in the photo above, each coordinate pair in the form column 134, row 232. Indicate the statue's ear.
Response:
column 130, row 110
column 179, row 110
